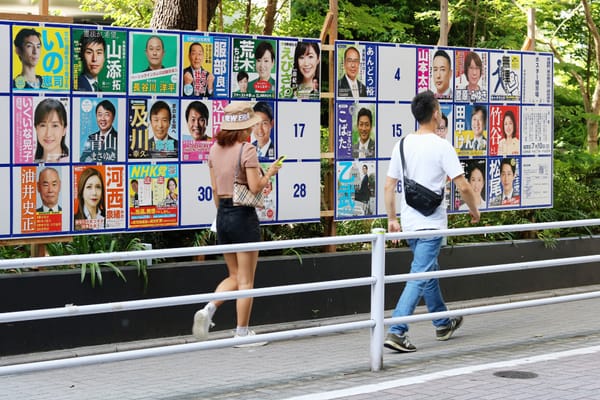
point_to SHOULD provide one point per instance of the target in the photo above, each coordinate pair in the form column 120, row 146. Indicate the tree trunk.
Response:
column 180, row 14
column 592, row 124
column 270, row 12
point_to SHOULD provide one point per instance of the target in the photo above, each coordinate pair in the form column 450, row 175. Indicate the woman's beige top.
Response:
column 223, row 161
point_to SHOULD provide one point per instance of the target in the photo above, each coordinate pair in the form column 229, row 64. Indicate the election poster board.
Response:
column 497, row 110
column 110, row 128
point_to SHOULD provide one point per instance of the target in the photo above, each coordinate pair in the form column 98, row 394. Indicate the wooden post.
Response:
column 529, row 44
column 202, row 16
column 443, row 41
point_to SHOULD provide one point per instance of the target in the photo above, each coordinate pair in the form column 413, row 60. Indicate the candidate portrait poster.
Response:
column 254, row 68
column 41, row 58
column 41, row 129
column 42, row 201
column 152, row 128
column 98, row 197
column 101, row 129
column 199, row 123
column 197, row 66
column 299, row 70
column 355, row 191
column 99, row 60
column 470, row 76
column 153, row 63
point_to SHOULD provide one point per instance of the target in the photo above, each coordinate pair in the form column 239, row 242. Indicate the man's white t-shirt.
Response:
column 429, row 160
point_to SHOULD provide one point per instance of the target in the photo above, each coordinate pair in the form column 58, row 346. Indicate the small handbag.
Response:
column 242, row 196
column 417, row 196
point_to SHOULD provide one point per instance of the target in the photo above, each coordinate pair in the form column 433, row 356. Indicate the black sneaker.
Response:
column 399, row 343
column 445, row 332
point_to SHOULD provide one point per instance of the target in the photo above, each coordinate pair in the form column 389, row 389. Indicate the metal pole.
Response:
column 377, row 298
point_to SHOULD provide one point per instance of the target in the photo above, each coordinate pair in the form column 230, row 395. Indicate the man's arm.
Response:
column 469, row 196
column 390, row 204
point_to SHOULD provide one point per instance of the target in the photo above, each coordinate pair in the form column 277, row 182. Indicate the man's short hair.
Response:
column 108, row 106
column 264, row 108
column 351, row 48
column 442, row 53
column 510, row 162
column 24, row 33
column 195, row 44
column 365, row 112
column 423, row 106
column 160, row 105
column 242, row 75
column 88, row 37
column 477, row 109
column 197, row 106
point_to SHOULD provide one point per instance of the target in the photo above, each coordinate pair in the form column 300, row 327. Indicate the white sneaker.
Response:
column 202, row 323
column 256, row 344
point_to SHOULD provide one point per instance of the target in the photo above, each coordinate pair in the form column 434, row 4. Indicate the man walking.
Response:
column 429, row 160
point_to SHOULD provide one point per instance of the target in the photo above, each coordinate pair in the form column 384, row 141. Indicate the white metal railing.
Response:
column 376, row 281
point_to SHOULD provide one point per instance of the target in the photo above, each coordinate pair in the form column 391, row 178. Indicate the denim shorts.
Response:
column 236, row 224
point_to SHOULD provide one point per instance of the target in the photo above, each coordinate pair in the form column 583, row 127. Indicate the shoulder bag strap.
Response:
column 239, row 163
column 402, row 159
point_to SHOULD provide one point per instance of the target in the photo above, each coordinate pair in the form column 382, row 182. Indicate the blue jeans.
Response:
column 425, row 254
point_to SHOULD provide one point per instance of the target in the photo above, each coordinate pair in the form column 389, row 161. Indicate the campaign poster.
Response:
column 153, row 132
column 269, row 212
column 536, row 130
column 475, row 173
column 41, row 58
column 153, row 63
column 505, row 77
column 505, row 137
column 263, row 133
column 153, row 195
column 504, row 182
column 423, row 68
column 196, row 129
column 254, row 68
column 299, row 70
column 42, row 203
column 99, row 60
column 441, row 81
column 470, row 129
column 98, row 197
column 198, row 79
column 538, row 74
column 470, row 76
column 102, row 129
column 356, row 188
column 356, row 70
column 41, row 129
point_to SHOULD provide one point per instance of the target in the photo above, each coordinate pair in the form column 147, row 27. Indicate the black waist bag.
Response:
column 417, row 196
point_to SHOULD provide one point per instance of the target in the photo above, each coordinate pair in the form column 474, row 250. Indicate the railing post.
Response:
column 377, row 298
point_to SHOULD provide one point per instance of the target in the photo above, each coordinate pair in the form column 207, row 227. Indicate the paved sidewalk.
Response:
column 552, row 352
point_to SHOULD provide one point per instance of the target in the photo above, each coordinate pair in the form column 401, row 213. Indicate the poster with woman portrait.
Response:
column 99, row 60
column 299, row 69
column 505, row 132
column 98, row 197
column 254, row 68
column 41, row 130
column 471, row 76
column 475, row 173
column 153, row 63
